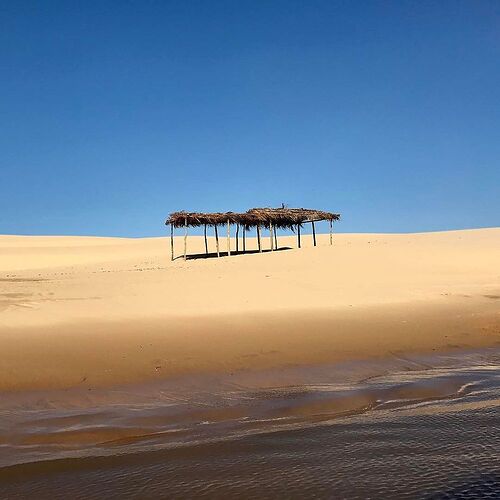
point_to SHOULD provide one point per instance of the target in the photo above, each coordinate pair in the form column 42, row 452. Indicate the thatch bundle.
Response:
column 282, row 218
column 286, row 218
column 197, row 219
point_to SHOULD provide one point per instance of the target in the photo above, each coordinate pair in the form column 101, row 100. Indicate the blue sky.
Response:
column 113, row 114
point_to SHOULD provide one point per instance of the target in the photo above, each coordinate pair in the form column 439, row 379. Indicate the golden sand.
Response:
column 102, row 311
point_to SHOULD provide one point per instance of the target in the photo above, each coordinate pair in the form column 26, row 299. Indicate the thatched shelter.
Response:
column 271, row 218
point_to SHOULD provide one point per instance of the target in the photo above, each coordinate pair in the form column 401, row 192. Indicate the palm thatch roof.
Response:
column 282, row 218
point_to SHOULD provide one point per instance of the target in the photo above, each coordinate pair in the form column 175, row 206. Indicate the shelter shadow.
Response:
column 211, row 255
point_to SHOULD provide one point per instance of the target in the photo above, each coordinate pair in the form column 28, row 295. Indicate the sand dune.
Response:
column 96, row 311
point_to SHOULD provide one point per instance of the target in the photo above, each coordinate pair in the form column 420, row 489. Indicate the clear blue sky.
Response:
column 113, row 114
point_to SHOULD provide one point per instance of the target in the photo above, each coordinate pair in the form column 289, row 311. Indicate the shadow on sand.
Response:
column 212, row 255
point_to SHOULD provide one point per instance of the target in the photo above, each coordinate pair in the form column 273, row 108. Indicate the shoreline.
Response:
column 98, row 354
column 189, row 412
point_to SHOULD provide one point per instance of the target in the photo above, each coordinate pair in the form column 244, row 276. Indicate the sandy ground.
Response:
column 99, row 311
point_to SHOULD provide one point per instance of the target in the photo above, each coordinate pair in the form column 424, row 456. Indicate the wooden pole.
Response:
column 206, row 241
column 331, row 237
column 271, row 235
column 217, row 240
column 228, row 239
column 314, row 233
column 298, row 234
column 237, row 237
column 258, row 237
column 275, row 239
column 172, row 240
column 244, row 240
column 185, row 238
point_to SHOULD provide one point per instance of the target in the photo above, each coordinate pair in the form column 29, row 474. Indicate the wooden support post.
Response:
column 298, row 234
column 258, row 237
column 271, row 235
column 275, row 239
column 206, row 241
column 237, row 237
column 314, row 233
column 217, row 239
column 228, row 239
column 331, row 237
column 185, row 238
column 172, row 240
column 244, row 240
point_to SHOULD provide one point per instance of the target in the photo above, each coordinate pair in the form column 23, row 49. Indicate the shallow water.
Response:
column 404, row 427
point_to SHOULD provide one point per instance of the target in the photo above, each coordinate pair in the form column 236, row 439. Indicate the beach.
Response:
column 101, row 311
column 119, row 365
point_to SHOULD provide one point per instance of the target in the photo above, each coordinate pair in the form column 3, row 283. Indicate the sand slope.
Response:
column 104, row 310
